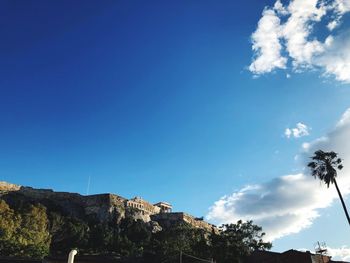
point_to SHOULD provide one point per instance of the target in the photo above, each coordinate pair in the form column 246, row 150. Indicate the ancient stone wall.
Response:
column 170, row 219
column 116, row 199
column 197, row 223
column 37, row 193
column 105, row 206
column 142, row 205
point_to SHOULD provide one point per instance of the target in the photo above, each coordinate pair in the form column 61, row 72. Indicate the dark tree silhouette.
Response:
column 324, row 166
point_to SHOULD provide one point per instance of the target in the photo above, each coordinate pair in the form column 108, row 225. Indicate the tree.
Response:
column 324, row 166
column 24, row 234
column 236, row 241
column 135, row 237
column 67, row 233
column 34, row 233
column 10, row 223
column 168, row 243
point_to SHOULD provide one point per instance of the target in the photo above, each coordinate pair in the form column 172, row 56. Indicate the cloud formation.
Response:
column 285, row 36
column 300, row 130
column 289, row 203
column 342, row 253
column 266, row 44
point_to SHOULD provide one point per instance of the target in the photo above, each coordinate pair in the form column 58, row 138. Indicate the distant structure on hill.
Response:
column 148, row 208
column 106, row 206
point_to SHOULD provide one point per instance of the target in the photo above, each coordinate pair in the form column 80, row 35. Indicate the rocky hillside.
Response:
column 35, row 223
column 103, row 207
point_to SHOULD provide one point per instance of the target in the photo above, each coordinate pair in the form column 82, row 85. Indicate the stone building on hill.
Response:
column 164, row 207
column 147, row 208
column 105, row 206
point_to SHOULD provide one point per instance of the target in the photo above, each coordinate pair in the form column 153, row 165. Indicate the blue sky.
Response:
column 167, row 101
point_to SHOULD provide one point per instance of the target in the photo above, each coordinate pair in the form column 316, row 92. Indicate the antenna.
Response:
column 88, row 186
column 321, row 249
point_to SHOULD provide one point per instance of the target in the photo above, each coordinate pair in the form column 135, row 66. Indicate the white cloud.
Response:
column 336, row 61
column 342, row 253
column 300, row 130
column 291, row 36
column 279, row 8
column 344, row 119
column 342, row 6
column 332, row 25
column 266, row 44
column 289, row 203
column 282, row 206
column 297, row 29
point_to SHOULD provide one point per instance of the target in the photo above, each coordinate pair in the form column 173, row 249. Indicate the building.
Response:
column 147, row 208
column 142, row 205
column 164, row 207
column 289, row 256
column 106, row 206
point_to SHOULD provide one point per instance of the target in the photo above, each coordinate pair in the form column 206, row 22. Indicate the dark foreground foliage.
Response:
column 35, row 231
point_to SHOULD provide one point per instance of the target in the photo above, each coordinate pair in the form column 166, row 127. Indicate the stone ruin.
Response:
column 106, row 206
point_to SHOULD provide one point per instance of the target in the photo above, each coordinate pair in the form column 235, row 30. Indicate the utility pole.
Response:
column 181, row 256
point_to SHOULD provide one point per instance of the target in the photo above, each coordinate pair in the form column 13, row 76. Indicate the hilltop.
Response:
column 103, row 207
column 36, row 223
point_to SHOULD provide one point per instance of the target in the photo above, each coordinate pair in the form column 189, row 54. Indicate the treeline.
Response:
column 35, row 231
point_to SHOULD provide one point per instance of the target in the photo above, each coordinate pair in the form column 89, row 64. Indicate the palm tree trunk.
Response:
column 342, row 201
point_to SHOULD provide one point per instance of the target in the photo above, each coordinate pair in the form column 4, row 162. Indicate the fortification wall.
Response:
column 142, row 205
column 170, row 219
column 198, row 223
column 105, row 206
column 37, row 193
column 116, row 199
column 34, row 192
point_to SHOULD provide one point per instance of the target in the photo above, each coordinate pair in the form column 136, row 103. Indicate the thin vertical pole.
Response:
column 180, row 256
column 342, row 201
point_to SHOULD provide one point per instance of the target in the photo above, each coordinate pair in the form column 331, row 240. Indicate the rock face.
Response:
column 103, row 207
column 169, row 219
column 5, row 187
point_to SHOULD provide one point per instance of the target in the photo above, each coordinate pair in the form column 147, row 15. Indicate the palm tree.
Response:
column 324, row 166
